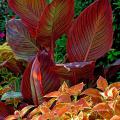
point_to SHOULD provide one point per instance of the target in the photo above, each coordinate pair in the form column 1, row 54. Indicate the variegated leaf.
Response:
column 19, row 40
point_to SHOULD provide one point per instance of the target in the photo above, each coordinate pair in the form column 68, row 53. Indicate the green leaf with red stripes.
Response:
column 90, row 36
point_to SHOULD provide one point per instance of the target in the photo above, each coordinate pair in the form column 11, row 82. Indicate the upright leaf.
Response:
column 19, row 40
column 29, row 11
column 25, row 83
column 91, row 34
column 42, row 79
column 102, row 83
column 55, row 20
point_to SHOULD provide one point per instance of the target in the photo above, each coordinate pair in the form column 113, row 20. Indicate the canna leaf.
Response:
column 19, row 40
column 25, row 83
column 90, row 36
column 75, row 71
column 42, row 79
column 29, row 11
column 55, row 21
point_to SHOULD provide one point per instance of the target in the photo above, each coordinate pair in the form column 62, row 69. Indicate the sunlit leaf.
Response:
column 115, row 117
column 116, row 85
column 104, row 110
column 25, row 110
column 76, row 89
column 111, row 93
column 117, row 107
column 91, row 34
column 42, row 79
column 11, row 117
column 91, row 92
column 102, row 83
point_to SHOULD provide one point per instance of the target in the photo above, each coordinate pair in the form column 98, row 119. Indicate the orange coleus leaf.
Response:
column 116, row 85
column 64, row 87
column 103, row 110
column 117, row 107
column 91, row 34
column 91, row 92
column 11, row 117
column 29, row 11
column 65, row 98
column 76, row 89
column 83, row 103
column 111, row 93
column 115, row 117
column 61, row 109
column 102, row 83
column 53, row 94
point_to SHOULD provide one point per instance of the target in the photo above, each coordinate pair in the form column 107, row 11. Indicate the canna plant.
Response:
column 33, row 36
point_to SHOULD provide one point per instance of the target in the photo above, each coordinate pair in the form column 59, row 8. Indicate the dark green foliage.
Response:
column 7, row 78
column 5, row 15
column 80, row 5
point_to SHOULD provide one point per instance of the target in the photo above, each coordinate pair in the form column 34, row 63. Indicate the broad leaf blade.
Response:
column 42, row 79
column 91, row 34
column 76, row 71
column 29, row 11
column 25, row 83
column 19, row 40
column 55, row 21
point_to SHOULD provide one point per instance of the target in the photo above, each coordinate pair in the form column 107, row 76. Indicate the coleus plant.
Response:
column 33, row 36
column 102, row 103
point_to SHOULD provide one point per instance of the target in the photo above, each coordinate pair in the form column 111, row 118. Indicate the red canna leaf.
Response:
column 42, row 79
column 55, row 21
column 102, row 83
column 75, row 71
column 19, row 40
column 91, row 34
column 112, row 69
column 25, row 83
column 29, row 11
column 91, row 92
